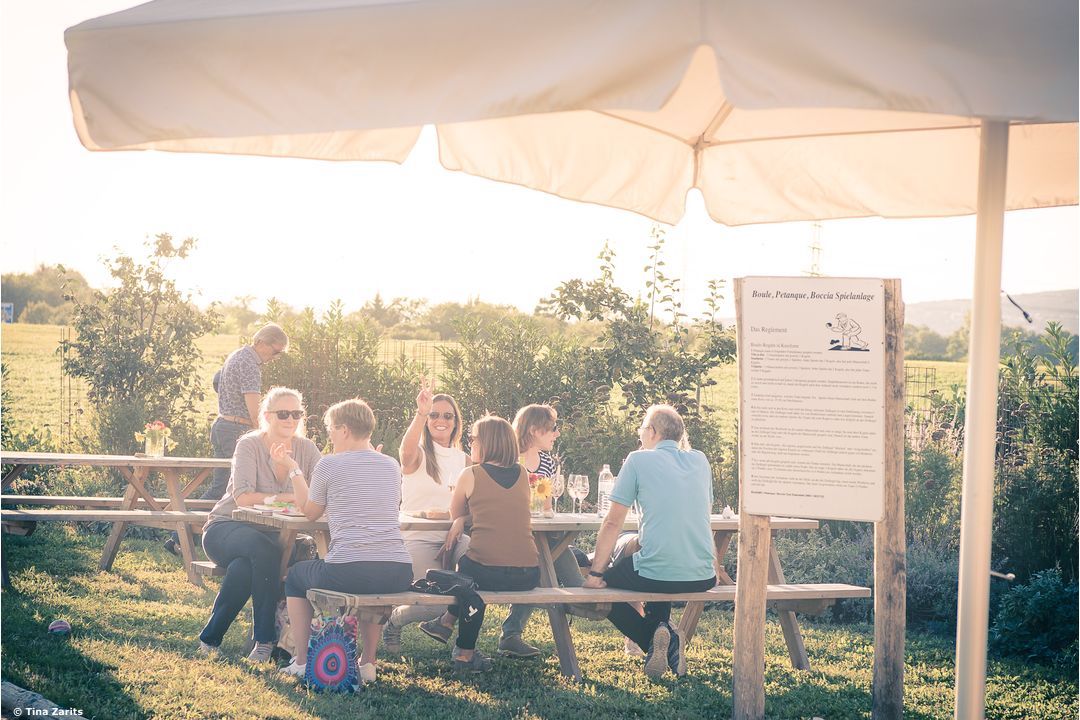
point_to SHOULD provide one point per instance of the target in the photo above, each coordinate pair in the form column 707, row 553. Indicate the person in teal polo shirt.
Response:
column 673, row 487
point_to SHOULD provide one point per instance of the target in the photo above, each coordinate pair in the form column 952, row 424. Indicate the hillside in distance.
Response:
column 947, row 316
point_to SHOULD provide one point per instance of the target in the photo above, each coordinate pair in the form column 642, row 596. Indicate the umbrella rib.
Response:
column 656, row 130
column 845, row 133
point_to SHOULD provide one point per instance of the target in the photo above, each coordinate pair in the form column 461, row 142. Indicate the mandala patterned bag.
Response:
column 332, row 654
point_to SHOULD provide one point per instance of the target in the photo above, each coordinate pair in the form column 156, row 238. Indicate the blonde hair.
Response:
column 496, row 439
column 431, row 461
column 270, row 398
column 530, row 418
column 667, row 423
column 354, row 414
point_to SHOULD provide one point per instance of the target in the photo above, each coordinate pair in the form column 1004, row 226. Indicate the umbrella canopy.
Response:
column 775, row 111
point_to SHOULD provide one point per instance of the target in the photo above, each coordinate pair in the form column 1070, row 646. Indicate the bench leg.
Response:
column 112, row 545
column 560, row 627
column 187, row 544
column 689, row 620
column 788, row 623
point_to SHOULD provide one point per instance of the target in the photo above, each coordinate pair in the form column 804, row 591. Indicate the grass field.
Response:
column 131, row 654
column 34, row 380
column 38, row 396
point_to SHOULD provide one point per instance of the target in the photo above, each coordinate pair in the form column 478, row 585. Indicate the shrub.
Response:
column 932, row 495
column 135, row 349
column 333, row 358
column 1038, row 621
column 827, row 555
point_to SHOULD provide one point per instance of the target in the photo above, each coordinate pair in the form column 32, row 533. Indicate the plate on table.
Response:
column 280, row 508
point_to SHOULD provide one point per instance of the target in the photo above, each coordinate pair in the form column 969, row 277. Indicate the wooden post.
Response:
column 751, row 579
column 890, row 563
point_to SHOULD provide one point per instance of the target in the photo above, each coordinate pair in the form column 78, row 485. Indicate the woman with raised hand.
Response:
column 502, row 554
column 536, row 427
column 359, row 489
column 252, row 556
column 431, row 460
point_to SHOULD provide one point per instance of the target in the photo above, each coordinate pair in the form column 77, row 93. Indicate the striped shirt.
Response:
column 546, row 466
column 361, row 491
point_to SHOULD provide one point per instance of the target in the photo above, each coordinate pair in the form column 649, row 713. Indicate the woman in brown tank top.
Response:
column 502, row 556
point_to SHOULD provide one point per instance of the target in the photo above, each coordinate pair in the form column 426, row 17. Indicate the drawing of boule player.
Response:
column 848, row 330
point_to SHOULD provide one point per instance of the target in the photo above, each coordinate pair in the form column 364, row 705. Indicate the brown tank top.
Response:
column 501, row 527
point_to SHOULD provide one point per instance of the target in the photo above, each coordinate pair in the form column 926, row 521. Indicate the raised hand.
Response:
column 423, row 398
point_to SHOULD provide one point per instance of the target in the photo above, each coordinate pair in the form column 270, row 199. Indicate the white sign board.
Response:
column 812, row 397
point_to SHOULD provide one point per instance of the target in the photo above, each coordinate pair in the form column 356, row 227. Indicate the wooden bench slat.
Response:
column 93, row 502
column 151, row 518
column 208, row 568
column 548, row 596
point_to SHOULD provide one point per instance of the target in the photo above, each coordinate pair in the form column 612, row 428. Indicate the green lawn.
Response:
column 31, row 354
column 132, row 655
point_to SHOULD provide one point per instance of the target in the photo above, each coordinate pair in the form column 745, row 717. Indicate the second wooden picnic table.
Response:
column 136, row 470
column 553, row 536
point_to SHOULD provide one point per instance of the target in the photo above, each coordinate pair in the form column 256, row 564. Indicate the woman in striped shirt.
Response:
column 359, row 489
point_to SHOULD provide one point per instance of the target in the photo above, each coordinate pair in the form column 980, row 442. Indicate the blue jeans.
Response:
column 568, row 575
column 253, row 565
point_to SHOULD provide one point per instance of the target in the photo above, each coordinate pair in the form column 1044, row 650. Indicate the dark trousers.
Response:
column 470, row 608
column 253, row 565
column 371, row 577
column 625, row 617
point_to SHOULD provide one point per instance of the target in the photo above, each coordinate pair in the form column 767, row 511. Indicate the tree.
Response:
column 135, row 348
column 38, row 297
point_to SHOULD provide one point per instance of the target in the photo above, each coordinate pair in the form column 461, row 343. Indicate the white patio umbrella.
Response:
column 776, row 111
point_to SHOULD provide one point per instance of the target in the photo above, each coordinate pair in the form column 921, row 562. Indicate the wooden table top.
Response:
column 8, row 457
column 563, row 522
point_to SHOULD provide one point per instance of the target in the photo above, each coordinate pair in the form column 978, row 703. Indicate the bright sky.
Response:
column 309, row 232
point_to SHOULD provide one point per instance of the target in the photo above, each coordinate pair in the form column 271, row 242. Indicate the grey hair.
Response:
column 668, row 424
column 271, row 334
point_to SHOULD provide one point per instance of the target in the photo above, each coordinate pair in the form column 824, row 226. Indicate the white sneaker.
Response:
column 261, row 652
column 295, row 669
column 367, row 673
column 632, row 649
column 208, row 651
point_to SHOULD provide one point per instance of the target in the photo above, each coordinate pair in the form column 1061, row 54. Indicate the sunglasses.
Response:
column 286, row 414
column 445, row 415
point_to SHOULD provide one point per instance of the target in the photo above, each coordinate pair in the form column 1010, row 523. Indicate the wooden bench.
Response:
column 583, row 601
column 105, row 503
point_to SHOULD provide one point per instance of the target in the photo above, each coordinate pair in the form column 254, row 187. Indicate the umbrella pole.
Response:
column 980, row 426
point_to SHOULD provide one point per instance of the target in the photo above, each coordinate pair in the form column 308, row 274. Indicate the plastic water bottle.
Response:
column 604, row 486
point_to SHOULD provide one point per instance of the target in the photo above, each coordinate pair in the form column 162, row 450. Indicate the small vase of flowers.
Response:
column 156, row 436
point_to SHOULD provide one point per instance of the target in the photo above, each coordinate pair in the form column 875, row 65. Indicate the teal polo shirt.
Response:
column 674, row 489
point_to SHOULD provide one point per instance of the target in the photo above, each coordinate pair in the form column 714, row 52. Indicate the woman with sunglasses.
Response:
column 536, row 427
column 502, row 555
column 359, row 490
column 250, row 556
column 431, row 460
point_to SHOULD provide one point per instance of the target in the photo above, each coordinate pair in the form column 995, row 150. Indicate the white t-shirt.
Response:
column 420, row 492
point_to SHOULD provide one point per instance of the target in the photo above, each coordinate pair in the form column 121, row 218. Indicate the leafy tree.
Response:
column 135, row 349
column 39, row 297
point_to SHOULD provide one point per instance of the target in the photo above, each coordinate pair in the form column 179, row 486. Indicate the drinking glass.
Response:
column 558, row 485
column 573, row 487
column 583, row 489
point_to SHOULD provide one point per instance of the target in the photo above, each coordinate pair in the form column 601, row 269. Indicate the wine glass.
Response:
column 558, row 484
column 572, row 490
column 581, row 489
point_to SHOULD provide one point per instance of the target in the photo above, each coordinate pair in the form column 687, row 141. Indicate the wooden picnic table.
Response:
column 553, row 536
column 135, row 469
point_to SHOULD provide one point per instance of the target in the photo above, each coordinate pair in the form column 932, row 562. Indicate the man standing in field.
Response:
column 239, row 387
